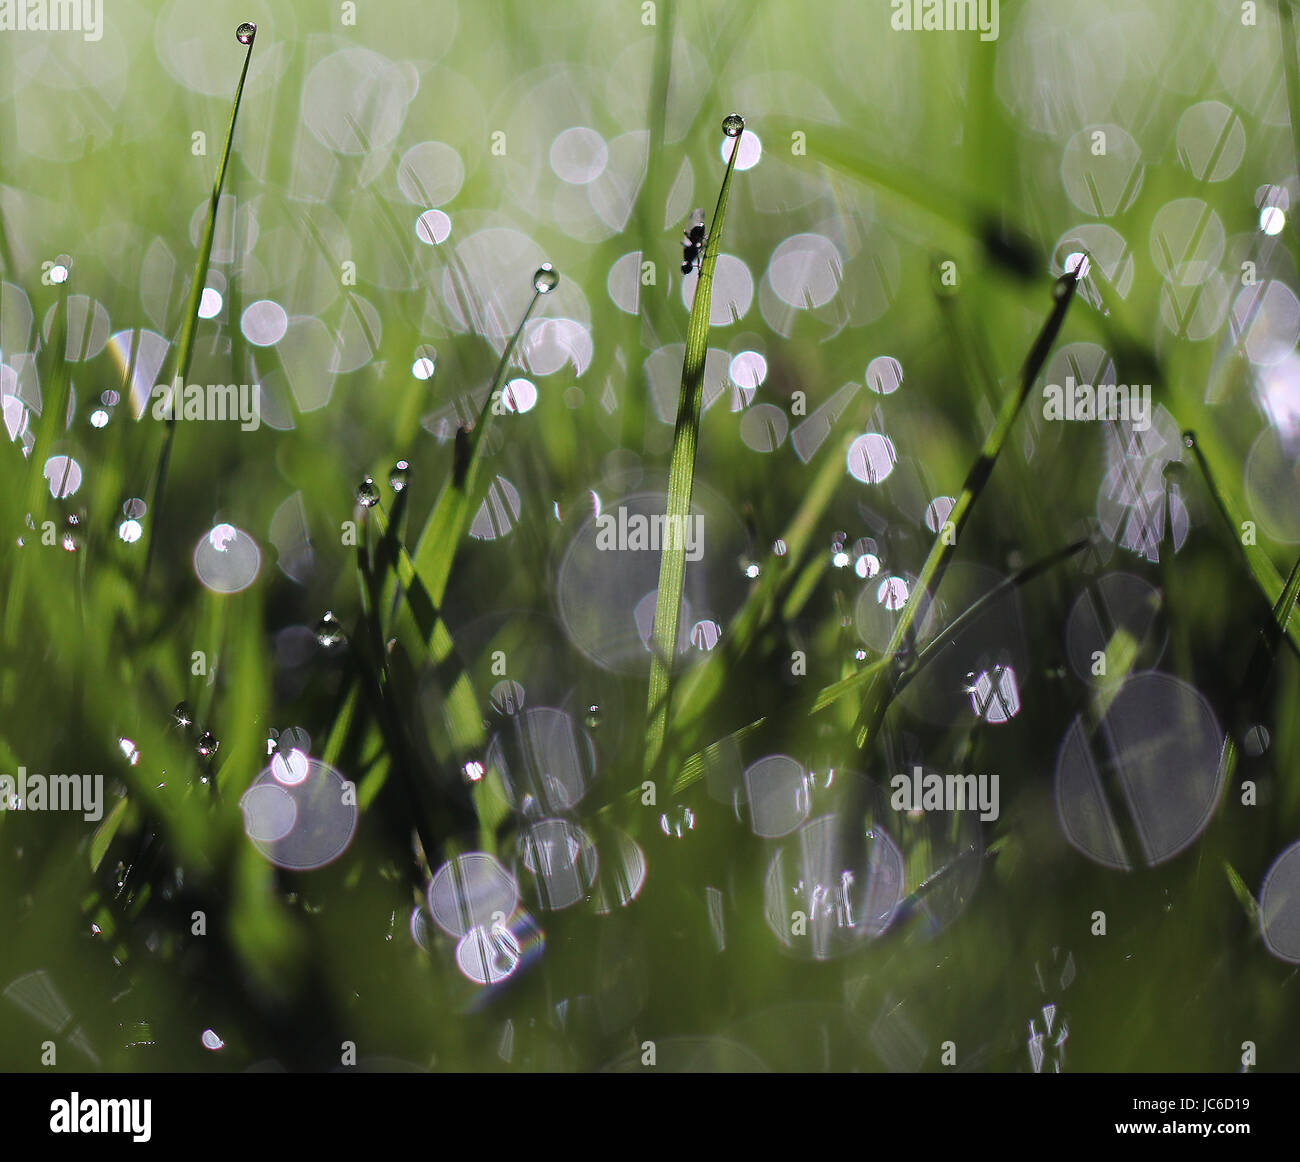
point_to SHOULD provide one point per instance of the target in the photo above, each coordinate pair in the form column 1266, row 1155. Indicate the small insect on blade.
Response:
column 695, row 228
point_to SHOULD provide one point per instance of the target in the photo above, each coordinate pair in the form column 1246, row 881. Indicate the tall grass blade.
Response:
column 941, row 551
column 190, row 320
column 681, row 471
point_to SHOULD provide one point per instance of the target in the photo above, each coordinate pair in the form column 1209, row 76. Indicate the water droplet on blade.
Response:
column 367, row 493
column 329, row 631
column 733, row 125
column 207, row 744
column 246, row 32
column 545, row 279
column 183, row 715
column 399, row 476
column 678, row 821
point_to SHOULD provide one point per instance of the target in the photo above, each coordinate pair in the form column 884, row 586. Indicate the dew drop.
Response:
column 183, row 715
column 545, row 279
column 207, row 744
column 246, row 32
column 1189, row 439
column 594, row 716
column 733, row 125
column 1256, row 741
column 367, row 493
column 329, row 631
column 507, row 697
column 678, row 821
column 398, row 477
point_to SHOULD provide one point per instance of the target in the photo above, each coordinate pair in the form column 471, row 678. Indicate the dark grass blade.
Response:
column 941, row 551
column 190, row 320
column 681, row 478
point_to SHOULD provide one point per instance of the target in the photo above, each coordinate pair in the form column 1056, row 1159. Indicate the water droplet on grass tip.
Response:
column 246, row 32
column 329, row 632
column 367, row 493
column 1189, row 439
column 207, row 744
column 398, row 477
column 678, row 821
column 733, row 125
column 594, row 717
column 183, row 715
column 545, row 279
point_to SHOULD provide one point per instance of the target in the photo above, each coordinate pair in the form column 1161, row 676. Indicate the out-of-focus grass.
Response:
column 925, row 162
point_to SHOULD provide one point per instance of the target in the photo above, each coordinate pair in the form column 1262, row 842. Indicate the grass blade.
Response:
column 681, row 472
column 1289, row 68
column 439, row 540
column 190, row 320
column 694, row 767
column 941, row 551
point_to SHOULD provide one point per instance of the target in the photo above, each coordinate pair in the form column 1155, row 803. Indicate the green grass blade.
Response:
column 439, row 540
column 681, row 479
column 1242, row 892
column 1289, row 68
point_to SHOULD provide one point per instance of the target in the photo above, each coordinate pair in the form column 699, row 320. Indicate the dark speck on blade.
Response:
column 1010, row 249
column 460, row 460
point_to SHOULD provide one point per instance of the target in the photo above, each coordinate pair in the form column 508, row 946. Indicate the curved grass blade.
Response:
column 696, row 765
column 959, row 210
column 681, row 472
column 190, row 320
column 948, row 637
